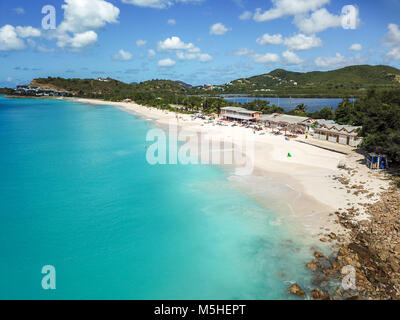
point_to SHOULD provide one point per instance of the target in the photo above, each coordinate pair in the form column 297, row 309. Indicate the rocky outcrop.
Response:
column 372, row 253
column 296, row 290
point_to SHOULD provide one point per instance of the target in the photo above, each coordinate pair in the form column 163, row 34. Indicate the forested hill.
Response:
column 354, row 80
column 111, row 87
column 350, row 77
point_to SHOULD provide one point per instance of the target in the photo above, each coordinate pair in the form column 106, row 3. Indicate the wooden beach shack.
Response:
column 294, row 124
column 239, row 114
column 342, row 134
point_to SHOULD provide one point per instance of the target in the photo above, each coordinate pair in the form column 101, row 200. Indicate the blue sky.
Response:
column 196, row 41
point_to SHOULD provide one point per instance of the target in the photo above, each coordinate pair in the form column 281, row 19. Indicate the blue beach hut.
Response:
column 377, row 161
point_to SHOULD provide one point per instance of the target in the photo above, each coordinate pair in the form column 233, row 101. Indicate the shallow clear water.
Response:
column 77, row 193
column 313, row 104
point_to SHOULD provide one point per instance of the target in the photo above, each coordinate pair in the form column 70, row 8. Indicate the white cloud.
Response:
column 12, row 38
column 81, row 18
column 205, row 57
column 78, row 40
column 166, row 63
column 218, row 29
column 141, row 43
column 122, row 55
column 282, row 8
column 171, row 22
column 44, row 49
column 338, row 61
column 245, row 15
column 185, row 51
column 297, row 42
column 290, row 58
column 75, row 32
column 268, row 58
column 31, row 43
column 394, row 53
column 9, row 39
column 151, row 53
column 186, row 55
column 270, row 39
column 319, row 20
column 302, row 42
column 175, row 43
column 393, row 36
column 25, row 32
column 392, row 39
column 356, row 47
column 242, row 52
column 202, row 57
column 85, row 15
column 158, row 4
column 19, row 10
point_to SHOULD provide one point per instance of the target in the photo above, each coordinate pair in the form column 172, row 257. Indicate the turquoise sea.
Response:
column 77, row 193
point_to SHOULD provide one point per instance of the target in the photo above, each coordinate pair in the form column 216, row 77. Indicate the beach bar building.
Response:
column 342, row 134
column 239, row 114
column 291, row 123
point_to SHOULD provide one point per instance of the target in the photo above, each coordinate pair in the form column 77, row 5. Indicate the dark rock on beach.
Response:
column 296, row 290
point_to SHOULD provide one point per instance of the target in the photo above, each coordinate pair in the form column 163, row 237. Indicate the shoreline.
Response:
column 311, row 178
column 344, row 213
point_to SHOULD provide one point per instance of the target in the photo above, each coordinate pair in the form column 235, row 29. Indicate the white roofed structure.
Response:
column 342, row 134
column 240, row 114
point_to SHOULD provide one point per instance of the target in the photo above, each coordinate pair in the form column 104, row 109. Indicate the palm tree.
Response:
column 301, row 109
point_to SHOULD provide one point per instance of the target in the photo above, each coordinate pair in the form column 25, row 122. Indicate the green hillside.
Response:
column 110, row 87
column 354, row 77
column 83, row 87
column 349, row 81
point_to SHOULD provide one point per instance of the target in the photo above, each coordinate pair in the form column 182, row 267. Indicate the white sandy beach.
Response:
column 309, row 185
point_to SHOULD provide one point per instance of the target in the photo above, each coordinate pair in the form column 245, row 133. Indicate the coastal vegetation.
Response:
column 6, row 91
column 379, row 115
column 377, row 110
column 353, row 81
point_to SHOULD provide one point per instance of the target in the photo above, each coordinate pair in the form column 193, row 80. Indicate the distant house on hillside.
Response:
column 342, row 134
column 28, row 90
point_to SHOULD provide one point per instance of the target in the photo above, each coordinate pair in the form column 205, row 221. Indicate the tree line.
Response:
column 378, row 113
